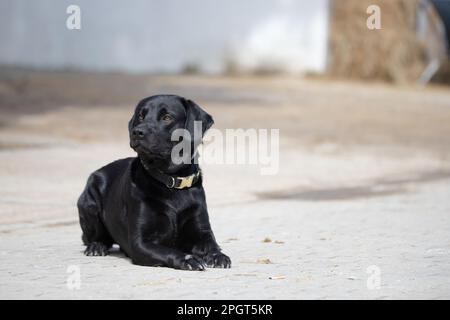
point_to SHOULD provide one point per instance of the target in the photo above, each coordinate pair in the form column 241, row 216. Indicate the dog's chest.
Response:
column 169, row 223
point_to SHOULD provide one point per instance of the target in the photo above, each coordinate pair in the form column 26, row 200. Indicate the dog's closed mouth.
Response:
column 148, row 154
column 134, row 144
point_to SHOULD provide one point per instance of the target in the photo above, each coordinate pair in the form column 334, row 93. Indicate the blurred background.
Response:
column 208, row 37
column 364, row 119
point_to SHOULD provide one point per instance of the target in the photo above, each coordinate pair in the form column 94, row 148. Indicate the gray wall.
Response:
column 165, row 36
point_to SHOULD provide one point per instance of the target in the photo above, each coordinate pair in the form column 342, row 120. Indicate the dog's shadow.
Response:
column 115, row 251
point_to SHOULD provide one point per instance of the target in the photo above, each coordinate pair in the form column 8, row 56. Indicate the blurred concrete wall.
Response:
column 166, row 36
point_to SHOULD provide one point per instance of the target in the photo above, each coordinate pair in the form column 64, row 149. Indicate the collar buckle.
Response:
column 185, row 182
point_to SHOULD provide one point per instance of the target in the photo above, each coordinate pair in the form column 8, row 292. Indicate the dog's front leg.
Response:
column 151, row 254
column 201, row 241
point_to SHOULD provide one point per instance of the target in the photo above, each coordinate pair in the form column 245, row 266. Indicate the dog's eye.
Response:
column 141, row 116
column 167, row 118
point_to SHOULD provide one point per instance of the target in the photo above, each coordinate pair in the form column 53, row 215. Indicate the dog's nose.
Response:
column 138, row 133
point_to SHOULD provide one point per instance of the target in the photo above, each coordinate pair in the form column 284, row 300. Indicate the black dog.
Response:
column 152, row 207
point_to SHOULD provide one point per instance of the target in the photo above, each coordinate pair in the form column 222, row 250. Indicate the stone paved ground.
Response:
column 362, row 189
column 325, row 252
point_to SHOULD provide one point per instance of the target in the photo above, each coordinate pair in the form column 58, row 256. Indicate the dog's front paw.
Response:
column 217, row 260
column 190, row 262
column 96, row 249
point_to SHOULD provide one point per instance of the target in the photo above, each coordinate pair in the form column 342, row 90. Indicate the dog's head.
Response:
column 157, row 117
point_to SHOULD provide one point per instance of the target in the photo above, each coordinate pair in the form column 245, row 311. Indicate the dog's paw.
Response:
column 96, row 249
column 217, row 260
column 190, row 262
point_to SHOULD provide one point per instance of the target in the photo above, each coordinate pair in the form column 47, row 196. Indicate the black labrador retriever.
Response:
column 153, row 207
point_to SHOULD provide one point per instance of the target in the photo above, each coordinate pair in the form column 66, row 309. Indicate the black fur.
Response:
column 154, row 225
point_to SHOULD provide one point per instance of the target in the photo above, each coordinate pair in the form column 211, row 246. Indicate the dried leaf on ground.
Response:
column 264, row 261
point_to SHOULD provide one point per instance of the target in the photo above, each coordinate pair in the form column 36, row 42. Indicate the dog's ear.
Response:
column 195, row 114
